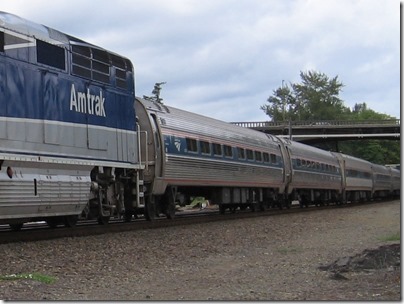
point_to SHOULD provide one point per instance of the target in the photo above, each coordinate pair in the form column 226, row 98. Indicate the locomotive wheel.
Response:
column 222, row 208
column 150, row 209
column 103, row 220
column 16, row 227
column 70, row 220
column 127, row 216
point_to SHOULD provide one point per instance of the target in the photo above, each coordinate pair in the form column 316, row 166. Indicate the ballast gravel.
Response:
column 266, row 258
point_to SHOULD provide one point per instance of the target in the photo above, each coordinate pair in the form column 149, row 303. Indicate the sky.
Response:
column 224, row 58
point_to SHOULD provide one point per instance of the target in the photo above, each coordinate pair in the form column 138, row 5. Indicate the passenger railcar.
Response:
column 66, row 109
column 316, row 175
column 382, row 180
column 395, row 184
column 357, row 178
column 190, row 155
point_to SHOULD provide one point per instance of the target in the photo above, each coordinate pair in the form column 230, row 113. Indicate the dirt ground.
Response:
column 332, row 254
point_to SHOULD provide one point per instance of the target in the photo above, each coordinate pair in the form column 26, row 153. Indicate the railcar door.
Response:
column 287, row 165
column 150, row 142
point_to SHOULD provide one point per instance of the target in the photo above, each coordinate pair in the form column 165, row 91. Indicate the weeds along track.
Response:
column 40, row 231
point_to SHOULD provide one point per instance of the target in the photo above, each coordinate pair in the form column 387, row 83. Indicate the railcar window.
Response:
column 192, row 145
column 217, row 149
column 298, row 162
column 1, row 41
column 50, row 55
column 273, row 158
column 228, row 151
column 368, row 175
column 250, row 154
column 241, row 153
column 258, row 156
column 205, row 147
column 266, row 157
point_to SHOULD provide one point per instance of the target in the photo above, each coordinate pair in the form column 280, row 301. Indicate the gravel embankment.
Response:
column 266, row 258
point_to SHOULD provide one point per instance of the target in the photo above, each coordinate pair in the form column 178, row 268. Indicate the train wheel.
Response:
column 222, row 208
column 127, row 216
column 16, row 227
column 70, row 220
column 150, row 209
column 254, row 207
column 103, row 220
column 170, row 211
column 52, row 222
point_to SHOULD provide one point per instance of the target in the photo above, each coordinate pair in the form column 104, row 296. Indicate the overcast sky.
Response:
column 224, row 58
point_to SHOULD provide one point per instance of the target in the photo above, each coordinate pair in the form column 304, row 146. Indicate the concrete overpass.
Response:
column 329, row 130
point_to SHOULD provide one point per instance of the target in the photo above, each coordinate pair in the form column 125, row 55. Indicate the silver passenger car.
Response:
column 382, row 181
column 357, row 178
column 188, row 154
column 316, row 175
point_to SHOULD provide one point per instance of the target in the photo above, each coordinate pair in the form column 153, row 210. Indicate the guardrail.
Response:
column 317, row 123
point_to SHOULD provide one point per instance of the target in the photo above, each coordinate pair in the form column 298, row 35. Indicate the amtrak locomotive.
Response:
column 67, row 125
column 75, row 142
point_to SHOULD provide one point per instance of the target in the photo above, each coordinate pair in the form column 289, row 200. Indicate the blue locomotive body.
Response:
column 58, row 90
column 66, row 113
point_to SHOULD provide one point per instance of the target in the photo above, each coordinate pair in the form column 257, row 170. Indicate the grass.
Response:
column 32, row 276
column 391, row 238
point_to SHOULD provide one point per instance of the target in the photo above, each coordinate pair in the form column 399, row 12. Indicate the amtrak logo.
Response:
column 177, row 144
column 83, row 102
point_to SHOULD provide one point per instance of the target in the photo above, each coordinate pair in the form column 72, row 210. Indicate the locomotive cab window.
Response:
column 50, row 54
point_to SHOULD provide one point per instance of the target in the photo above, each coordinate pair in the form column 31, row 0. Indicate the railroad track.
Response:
column 37, row 231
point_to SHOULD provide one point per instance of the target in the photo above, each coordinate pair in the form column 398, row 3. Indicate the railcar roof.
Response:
column 214, row 126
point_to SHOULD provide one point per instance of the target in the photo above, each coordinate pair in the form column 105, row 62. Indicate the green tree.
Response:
column 360, row 111
column 315, row 98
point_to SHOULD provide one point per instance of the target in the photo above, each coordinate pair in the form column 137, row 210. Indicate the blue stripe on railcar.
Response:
column 178, row 146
